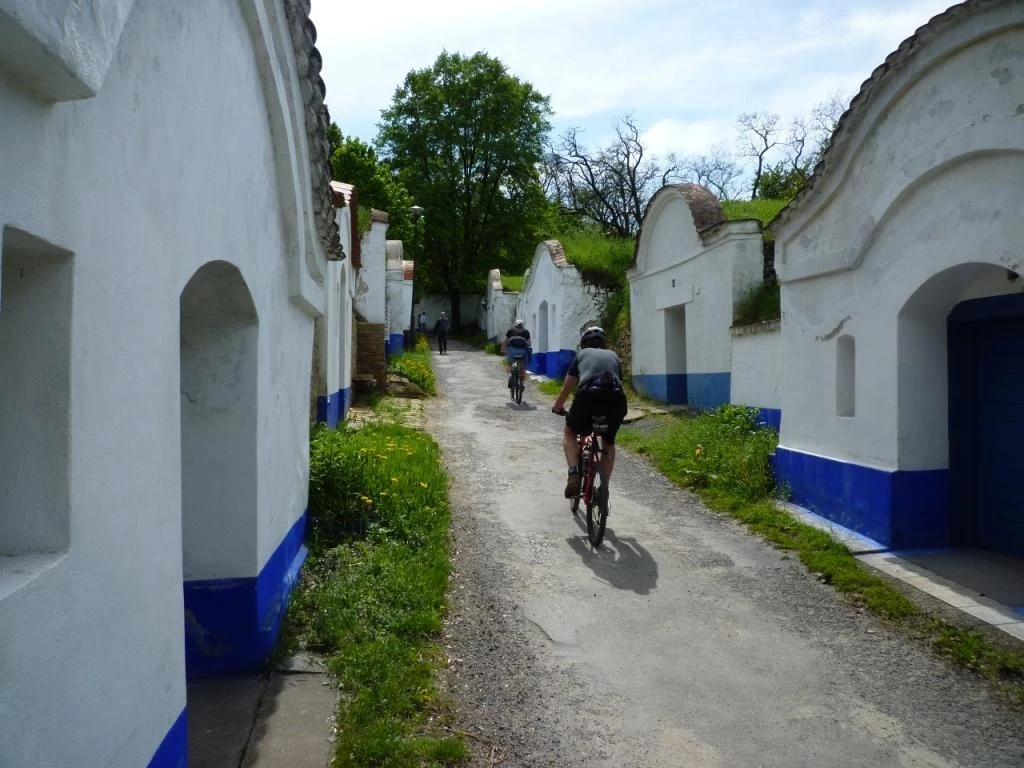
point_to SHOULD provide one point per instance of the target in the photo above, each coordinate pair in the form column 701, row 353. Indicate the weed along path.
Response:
column 684, row 641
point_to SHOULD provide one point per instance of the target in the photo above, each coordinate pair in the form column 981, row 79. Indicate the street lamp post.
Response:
column 416, row 211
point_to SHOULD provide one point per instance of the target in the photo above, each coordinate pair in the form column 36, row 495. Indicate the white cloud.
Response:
column 686, row 69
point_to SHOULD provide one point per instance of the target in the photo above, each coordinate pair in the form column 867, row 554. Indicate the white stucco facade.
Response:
column 435, row 304
column 756, row 369
column 399, row 280
column 370, row 289
column 692, row 266
column 336, row 326
column 498, row 308
column 163, row 259
column 556, row 306
column 915, row 209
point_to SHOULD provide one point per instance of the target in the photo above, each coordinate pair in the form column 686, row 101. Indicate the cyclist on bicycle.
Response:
column 516, row 345
column 596, row 375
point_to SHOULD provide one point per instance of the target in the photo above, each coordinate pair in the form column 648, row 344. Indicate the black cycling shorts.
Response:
column 609, row 403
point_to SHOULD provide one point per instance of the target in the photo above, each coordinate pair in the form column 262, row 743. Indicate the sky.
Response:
column 685, row 69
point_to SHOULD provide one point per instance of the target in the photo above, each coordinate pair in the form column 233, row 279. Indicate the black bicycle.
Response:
column 594, row 486
column 515, row 381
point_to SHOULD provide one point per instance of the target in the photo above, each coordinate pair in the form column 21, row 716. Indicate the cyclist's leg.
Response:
column 614, row 409
column 578, row 422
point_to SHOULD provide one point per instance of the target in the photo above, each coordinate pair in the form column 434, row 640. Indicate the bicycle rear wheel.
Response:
column 597, row 508
column 574, row 502
column 518, row 382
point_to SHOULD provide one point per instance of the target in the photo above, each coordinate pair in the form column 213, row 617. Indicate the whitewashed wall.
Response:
column 169, row 167
column 399, row 296
column 335, row 329
column 346, row 336
column 500, row 307
column 916, row 209
column 469, row 305
column 556, row 306
column 370, row 289
column 682, row 293
column 756, row 367
column 875, row 231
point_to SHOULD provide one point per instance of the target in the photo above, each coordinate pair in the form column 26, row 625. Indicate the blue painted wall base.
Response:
column 703, row 391
column 231, row 624
column 173, row 750
column 346, row 401
column 538, row 363
column 706, row 391
column 556, row 363
column 332, row 409
column 770, row 417
column 395, row 344
column 663, row 387
column 902, row 509
column 328, row 409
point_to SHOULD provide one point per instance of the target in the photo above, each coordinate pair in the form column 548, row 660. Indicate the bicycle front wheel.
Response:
column 597, row 509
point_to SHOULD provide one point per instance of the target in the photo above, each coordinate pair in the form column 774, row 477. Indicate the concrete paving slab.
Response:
column 987, row 573
column 220, row 717
column 856, row 542
column 295, row 724
column 284, row 720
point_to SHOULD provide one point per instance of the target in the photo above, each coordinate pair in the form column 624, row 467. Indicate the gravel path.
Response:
column 683, row 641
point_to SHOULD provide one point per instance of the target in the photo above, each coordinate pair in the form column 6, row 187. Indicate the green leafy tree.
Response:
column 356, row 162
column 782, row 181
column 467, row 140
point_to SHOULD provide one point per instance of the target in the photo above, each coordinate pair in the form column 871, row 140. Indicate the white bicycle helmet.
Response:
column 593, row 336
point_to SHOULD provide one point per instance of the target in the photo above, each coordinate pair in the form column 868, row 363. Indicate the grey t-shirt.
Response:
column 590, row 364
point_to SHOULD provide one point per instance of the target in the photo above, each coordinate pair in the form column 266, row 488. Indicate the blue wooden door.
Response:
column 998, row 411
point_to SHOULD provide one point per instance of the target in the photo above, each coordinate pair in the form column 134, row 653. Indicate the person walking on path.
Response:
column 441, row 332
column 423, row 321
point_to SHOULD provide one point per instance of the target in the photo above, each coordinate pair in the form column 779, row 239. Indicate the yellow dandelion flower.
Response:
column 423, row 485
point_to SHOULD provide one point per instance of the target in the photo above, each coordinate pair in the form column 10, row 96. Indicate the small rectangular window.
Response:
column 846, row 364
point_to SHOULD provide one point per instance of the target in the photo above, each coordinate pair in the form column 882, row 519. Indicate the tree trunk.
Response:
column 454, row 297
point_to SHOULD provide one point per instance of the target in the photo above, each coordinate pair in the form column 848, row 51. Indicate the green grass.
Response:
column 764, row 210
column 371, row 596
column 550, row 386
column 415, row 365
column 723, row 456
column 513, row 283
column 601, row 260
column 759, row 303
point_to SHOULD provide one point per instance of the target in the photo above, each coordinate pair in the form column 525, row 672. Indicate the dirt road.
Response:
column 683, row 641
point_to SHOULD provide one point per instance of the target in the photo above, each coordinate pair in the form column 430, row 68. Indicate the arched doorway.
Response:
column 961, row 403
column 219, row 482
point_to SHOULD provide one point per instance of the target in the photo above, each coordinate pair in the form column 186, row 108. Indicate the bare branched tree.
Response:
column 759, row 135
column 797, row 139
column 716, row 169
column 608, row 185
column 824, row 120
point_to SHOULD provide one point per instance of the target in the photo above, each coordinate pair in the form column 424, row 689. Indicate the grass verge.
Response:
column 415, row 366
column 550, row 386
column 512, row 283
column 762, row 209
column 371, row 596
column 723, row 456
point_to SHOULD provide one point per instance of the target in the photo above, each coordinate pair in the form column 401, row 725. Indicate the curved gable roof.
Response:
column 317, row 120
column 895, row 63
column 705, row 210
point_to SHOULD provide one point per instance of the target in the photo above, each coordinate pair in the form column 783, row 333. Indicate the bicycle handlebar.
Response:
column 559, row 411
